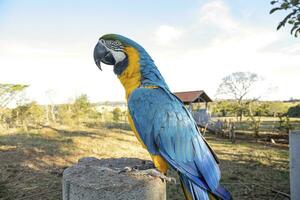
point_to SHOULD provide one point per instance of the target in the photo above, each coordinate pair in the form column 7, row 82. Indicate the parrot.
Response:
column 160, row 121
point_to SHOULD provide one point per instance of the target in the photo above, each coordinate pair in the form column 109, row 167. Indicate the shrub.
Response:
column 294, row 111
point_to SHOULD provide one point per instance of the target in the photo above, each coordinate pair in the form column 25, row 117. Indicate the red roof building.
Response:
column 193, row 97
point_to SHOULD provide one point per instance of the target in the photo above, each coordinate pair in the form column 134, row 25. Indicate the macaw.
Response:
column 160, row 121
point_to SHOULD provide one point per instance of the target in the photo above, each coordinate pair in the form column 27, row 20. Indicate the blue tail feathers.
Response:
column 198, row 193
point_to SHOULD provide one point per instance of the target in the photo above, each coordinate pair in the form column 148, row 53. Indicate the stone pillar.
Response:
column 96, row 179
column 294, row 139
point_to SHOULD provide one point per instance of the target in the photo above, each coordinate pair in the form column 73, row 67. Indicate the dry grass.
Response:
column 249, row 168
column 31, row 164
column 268, row 124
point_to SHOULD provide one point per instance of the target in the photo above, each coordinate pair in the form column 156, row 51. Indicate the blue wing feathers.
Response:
column 167, row 128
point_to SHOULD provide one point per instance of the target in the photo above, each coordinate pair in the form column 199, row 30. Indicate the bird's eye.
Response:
column 118, row 43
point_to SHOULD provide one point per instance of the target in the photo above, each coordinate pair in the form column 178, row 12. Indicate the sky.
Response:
column 195, row 43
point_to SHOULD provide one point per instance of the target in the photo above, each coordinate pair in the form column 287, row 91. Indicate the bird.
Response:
column 160, row 121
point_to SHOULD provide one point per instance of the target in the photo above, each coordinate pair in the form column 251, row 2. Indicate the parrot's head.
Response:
column 132, row 64
column 111, row 50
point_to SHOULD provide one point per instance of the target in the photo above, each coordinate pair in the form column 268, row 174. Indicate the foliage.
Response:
column 285, row 123
column 28, row 114
column 277, row 108
column 81, row 110
column 294, row 111
column 81, row 107
column 255, row 121
column 65, row 114
column 107, row 116
column 228, row 108
column 224, row 108
column 9, row 91
column 5, row 118
column 292, row 18
column 117, row 113
column 259, row 109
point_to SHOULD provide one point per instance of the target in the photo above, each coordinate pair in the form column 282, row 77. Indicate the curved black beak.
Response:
column 101, row 54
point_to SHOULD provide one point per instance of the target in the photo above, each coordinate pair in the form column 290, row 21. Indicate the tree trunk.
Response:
column 47, row 114
column 53, row 114
column 94, row 179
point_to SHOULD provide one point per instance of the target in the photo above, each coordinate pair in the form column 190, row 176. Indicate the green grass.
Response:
column 32, row 163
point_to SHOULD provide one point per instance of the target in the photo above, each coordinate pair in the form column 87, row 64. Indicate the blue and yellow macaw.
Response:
column 160, row 121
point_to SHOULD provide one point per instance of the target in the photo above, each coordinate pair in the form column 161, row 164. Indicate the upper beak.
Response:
column 101, row 54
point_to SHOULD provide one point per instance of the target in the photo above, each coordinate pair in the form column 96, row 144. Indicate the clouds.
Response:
column 217, row 14
column 194, row 47
column 166, row 34
column 216, row 44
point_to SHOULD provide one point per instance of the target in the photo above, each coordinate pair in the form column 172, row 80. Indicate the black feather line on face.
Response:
column 120, row 67
column 113, row 44
column 108, row 59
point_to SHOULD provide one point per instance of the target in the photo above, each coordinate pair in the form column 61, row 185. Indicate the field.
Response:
column 31, row 163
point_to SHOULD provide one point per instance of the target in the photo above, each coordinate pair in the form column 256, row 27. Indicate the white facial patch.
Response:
column 118, row 55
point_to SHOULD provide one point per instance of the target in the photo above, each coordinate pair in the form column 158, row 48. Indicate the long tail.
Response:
column 193, row 192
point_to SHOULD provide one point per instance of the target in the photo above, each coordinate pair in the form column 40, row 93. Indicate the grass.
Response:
column 268, row 124
column 248, row 167
column 31, row 163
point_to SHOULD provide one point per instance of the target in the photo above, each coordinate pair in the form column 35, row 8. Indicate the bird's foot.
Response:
column 148, row 169
column 126, row 169
column 148, row 172
column 145, row 165
column 155, row 173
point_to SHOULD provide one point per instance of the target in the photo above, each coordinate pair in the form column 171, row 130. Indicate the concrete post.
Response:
column 294, row 139
column 94, row 179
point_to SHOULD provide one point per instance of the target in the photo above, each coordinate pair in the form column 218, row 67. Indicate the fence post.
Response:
column 294, row 140
column 96, row 179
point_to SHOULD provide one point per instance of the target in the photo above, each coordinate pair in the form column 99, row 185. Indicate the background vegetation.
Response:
column 37, row 142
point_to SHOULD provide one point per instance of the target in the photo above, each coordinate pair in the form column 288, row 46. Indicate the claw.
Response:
column 127, row 169
column 148, row 170
column 171, row 179
column 156, row 173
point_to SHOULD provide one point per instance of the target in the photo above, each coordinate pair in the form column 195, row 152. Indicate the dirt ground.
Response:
column 31, row 163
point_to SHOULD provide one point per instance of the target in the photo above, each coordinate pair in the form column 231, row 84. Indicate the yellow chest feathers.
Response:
column 131, row 77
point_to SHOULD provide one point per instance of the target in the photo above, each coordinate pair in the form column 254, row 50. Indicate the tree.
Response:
column 117, row 112
column 8, row 92
column 294, row 111
column 82, row 108
column 285, row 123
column 65, row 114
column 224, row 108
column 292, row 18
column 255, row 116
column 237, row 86
column 28, row 114
column 277, row 108
column 260, row 109
column 50, row 94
